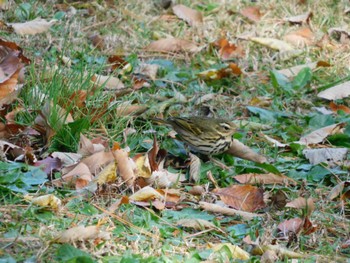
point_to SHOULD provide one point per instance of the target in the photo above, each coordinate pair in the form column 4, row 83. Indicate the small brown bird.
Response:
column 203, row 134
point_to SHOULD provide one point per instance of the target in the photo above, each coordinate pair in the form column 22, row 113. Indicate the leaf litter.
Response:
column 127, row 82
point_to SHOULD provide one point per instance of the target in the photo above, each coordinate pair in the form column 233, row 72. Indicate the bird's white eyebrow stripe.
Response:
column 225, row 125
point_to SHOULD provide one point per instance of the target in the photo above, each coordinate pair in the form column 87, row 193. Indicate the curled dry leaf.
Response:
column 269, row 178
column 108, row 174
column 143, row 166
column 274, row 142
column 228, row 50
column 195, row 167
column 325, row 155
column 107, row 82
column 163, row 178
column 300, row 38
column 293, row 225
column 86, row 147
column 82, row 233
column 9, row 89
column 337, row 190
column 45, row 200
column 337, row 92
column 242, row 197
column 300, row 19
column 146, row 194
column 273, row 43
column 214, row 208
column 33, row 27
column 336, row 107
column 303, row 203
column 80, row 171
column 125, row 166
column 97, row 161
column 252, row 13
column 236, row 251
column 240, row 150
column 127, row 108
column 173, row 45
column 191, row 16
column 319, row 135
column 67, row 158
column 195, row 223
column 281, row 251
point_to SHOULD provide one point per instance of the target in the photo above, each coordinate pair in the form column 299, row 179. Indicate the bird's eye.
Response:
column 225, row 126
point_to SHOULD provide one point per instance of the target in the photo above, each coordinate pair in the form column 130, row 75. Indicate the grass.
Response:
column 260, row 95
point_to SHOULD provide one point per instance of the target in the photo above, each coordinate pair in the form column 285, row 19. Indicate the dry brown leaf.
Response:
column 331, row 156
column 228, row 50
column 148, row 70
column 9, row 89
column 337, row 92
column 293, row 225
column 236, row 251
column 82, row 233
column 45, row 200
column 338, row 190
column 33, row 27
column 97, row 161
column 107, row 82
column 66, row 158
column 195, row 223
column 97, row 41
column 242, row 197
column 143, row 166
column 163, row 178
column 252, row 13
column 240, row 150
column 195, row 167
column 125, row 166
column 335, row 107
column 226, row 211
column 108, row 174
column 273, row 43
column 126, row 108
column 170, row 195
column 86, row 147
column 319, row 135
column 191, row 16
column 300, row 19
column 300, row 38
column 173, row 45
column 306, row 204
column 269, row 178
column 274, row 142
column 80, row 171
column 146, row 194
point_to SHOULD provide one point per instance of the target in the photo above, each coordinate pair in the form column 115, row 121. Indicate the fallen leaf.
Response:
column 191, row 16
column 319, row 135
column 338, row 190
column 127, row 108
column 97, row 41
column 337, row 92
column 236, row 251
column 300, row 38
column 148, row 70
column 97, row 161
column 274, row 142
column 273, row 43
column 173, row 45
column 82, row 233
column 49, row 200
column 325, row 155
column 49, row 164
column 108, row 174
column 300, row 19
column 80, row 171
column 33, row 27
column 219, row 209
column 242, row 197
column 292, row 225
column 116, row 62
column 67, row 158
column 252, row 13
column 146, row 194
column 228, row 50
column 335, row 107
column 125, row 166
column 107, row 82
column 240, row 150
column 269, row 178
column 306, row 204
column 86, row 147
column 195, row 223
